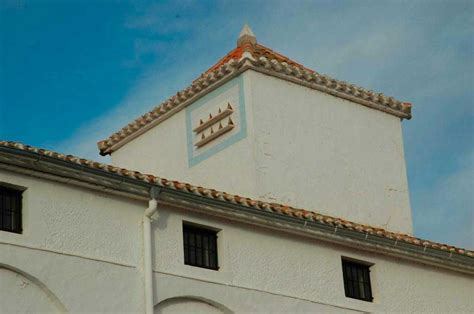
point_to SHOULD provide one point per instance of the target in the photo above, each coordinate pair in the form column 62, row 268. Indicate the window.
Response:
column 10, row 209
column 200, row 246
column 357, row 280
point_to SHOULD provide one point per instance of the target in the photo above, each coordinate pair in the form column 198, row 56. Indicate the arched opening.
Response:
column 23, row 293
column 190, row 304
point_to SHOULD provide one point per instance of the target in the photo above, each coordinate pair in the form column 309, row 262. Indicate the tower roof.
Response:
column 249, row 54
column 247, row 42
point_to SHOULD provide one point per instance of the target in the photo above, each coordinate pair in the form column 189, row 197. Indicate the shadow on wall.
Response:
column 190, row 304
column 23, row 293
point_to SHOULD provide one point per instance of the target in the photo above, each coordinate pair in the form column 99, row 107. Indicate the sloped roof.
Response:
column 248, row 42
column 301, row 214
column 257, row 51
column 251, row 55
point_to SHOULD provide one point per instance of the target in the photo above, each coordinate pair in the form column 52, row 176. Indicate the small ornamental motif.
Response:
column 215, row 126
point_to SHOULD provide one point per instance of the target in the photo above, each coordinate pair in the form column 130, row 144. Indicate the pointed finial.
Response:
column 246, row 37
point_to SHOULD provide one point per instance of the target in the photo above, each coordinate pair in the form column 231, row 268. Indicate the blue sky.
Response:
column 72, row 72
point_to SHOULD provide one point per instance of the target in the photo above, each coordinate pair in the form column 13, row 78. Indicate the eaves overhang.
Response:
column 322, row 231
column 276, row 217
column 36, row 165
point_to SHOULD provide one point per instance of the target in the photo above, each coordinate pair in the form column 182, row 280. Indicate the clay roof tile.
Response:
column 226, row 197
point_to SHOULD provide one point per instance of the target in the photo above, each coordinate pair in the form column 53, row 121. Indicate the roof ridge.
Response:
column 285, row 57
column 232, row 66
column 236, row 52
column 307, row 215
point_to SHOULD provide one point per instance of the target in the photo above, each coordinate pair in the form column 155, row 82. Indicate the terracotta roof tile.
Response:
column 302, row 214
column 259, row 58
column 257, row 51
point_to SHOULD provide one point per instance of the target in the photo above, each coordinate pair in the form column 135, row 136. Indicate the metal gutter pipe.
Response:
column 147, row 251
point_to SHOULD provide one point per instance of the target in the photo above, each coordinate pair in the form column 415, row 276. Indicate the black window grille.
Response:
column 10, row 210
column 357, row 280
column 200, row 247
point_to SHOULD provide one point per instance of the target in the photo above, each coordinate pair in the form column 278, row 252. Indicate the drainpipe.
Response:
column 147, row 256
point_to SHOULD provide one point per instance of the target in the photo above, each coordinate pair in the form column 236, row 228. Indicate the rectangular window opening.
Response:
column 200, row 246
column 357, row 280
column 10, row 209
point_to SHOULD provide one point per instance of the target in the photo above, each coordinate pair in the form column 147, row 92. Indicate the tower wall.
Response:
column 317, row 151
column 226, row 162
column 288, row 144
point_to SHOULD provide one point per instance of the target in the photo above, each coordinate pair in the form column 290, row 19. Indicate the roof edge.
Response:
column 209, row 81
column 111, row 179
column 328, row 233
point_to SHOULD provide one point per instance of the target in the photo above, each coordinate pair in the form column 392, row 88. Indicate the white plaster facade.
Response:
column 303, row 147
column 79, row 247
column 83, row 248
column 81, row 252
column 163, row 151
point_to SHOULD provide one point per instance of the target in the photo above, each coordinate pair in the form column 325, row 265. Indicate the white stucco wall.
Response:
column 16, row 288
column 320, row 152
column 186, row 305
column 303, row 148
column 263, row 270
column 163, row 151
column 82, row 246
column 81, row 252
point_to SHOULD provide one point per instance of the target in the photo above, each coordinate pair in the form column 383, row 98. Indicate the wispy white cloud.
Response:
column 152, row 87
column 176, row 66
column 164, row 18
column 444, row 207
column 420, row 52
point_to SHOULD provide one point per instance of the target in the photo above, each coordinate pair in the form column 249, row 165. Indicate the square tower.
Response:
column 261, row 125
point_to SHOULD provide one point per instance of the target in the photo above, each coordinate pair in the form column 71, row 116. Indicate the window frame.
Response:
column 16, row 194
column 357, row 289
column 209, row 258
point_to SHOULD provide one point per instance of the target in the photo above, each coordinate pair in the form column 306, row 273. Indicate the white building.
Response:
column 83, row 237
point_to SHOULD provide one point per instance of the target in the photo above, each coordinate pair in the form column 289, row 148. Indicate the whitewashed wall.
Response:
column 303, row 148
column 263, row 270
column 79, row 247
column 163, row 151
column 81, row 252
column 324, row 153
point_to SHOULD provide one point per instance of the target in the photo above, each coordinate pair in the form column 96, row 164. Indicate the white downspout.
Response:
column 147, row 257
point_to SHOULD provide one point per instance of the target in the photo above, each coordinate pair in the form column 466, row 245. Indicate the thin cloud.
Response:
column 446, row 206
column 421, row 53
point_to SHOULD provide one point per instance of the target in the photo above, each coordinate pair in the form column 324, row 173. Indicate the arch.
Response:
column 188, row 304
column 18, row 286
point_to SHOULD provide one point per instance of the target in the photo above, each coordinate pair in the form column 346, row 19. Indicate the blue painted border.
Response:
column 194, row 160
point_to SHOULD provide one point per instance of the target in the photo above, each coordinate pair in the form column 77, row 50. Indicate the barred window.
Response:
column 10, row 209
column 357, row 280
column 200, row 246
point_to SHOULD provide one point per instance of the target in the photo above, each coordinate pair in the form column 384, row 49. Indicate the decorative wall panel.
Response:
column 215, row 121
